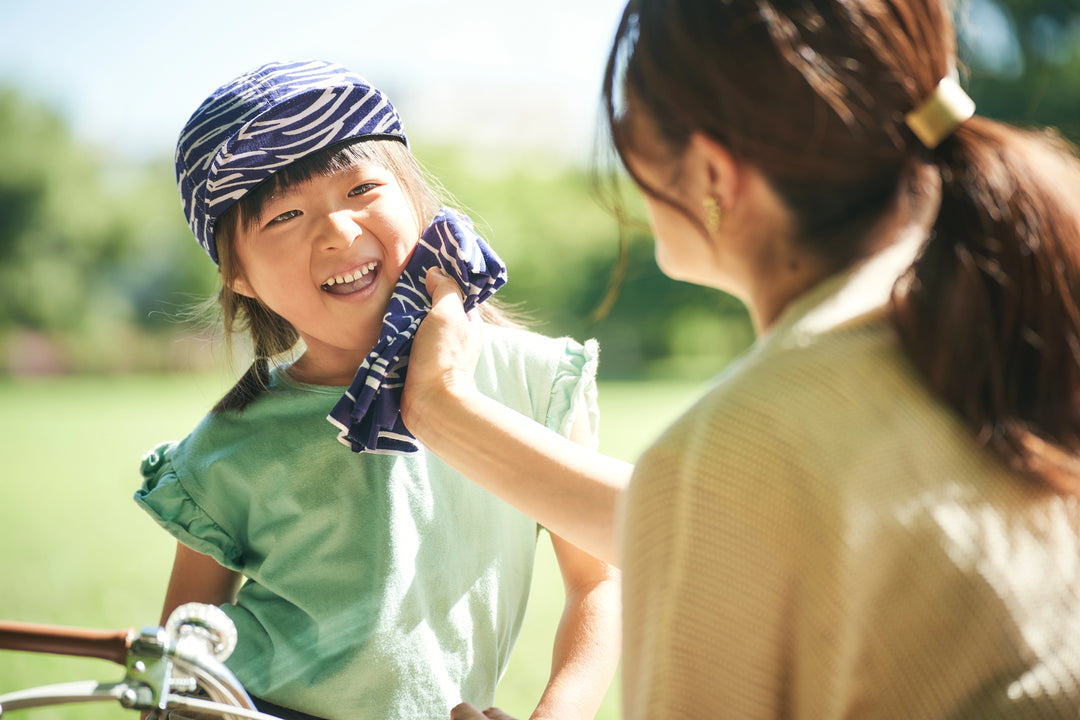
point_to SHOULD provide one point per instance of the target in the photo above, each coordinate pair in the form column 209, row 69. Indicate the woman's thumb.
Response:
column 439, row 285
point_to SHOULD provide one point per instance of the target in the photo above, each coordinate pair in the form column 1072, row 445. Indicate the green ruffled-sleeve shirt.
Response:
column 377, row 586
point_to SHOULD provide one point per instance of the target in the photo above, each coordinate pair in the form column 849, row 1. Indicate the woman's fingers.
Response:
column 444, row 352
column 447, row 326
column 446, row 296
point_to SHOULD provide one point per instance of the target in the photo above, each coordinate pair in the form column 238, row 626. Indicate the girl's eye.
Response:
column 361, row 189
column 284, row 217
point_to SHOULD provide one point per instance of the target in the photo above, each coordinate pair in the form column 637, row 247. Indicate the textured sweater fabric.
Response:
column 819, row 537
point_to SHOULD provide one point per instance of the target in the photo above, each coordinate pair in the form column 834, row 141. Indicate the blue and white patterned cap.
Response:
column 265, row 119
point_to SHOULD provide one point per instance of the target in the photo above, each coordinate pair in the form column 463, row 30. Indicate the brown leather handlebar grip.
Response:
column 57, row 640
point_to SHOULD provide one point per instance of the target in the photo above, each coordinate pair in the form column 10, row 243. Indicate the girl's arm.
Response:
column 572, row 490
column 587, row 641
column 198, row 578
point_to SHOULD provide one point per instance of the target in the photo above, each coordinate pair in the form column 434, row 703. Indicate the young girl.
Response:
column 377, row 584
column 875, row 513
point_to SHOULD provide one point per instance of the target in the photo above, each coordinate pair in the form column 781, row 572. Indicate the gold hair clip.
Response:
column 944, row 111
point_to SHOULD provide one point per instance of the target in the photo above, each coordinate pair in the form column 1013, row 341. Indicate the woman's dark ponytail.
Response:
column 836, row 103
column 990, row 313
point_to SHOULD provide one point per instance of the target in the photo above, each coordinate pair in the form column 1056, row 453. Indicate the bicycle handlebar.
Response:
column 111, row 645
column 163, row 664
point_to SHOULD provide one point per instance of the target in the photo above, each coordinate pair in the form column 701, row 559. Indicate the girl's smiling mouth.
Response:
column 352, row 281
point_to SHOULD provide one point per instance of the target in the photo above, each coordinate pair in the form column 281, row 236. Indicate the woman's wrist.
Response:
column 425, row 408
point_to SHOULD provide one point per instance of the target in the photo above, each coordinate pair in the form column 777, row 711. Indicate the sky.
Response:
column 497, row 74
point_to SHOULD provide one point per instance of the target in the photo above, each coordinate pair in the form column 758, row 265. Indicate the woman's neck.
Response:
column 791, row 273
column 788, row 268
column 770, row 266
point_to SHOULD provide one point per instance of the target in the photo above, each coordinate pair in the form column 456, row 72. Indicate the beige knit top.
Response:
column 820, row 538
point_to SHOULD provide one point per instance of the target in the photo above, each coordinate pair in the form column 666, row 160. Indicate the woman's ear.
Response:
column 718, row 168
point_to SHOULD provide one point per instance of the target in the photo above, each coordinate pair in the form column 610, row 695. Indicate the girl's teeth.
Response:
column 351, row 276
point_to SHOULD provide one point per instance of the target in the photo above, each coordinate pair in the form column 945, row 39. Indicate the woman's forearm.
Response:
column 574, row 491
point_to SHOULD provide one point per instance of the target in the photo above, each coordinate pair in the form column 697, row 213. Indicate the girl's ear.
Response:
column 241, row 286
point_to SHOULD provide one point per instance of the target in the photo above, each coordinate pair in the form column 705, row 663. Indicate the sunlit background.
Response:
column 98, row 273
column 500, row 99
column 125, row 74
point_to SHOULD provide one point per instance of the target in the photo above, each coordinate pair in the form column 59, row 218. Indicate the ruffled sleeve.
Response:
column 573, row 389
column 164, row 497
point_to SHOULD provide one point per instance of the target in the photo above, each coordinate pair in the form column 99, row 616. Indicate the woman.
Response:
column 875, row 512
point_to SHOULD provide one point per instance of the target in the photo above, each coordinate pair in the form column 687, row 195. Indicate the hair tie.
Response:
column 939, row 116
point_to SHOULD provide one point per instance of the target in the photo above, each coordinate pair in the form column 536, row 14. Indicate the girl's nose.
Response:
column 338, row 231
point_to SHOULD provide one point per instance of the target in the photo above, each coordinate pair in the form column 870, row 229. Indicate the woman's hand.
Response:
column 567, row 487
column 444, row 353
column 465, row 711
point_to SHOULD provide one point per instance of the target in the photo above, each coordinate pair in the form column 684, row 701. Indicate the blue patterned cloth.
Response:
column 250, row 128
column 369, row 414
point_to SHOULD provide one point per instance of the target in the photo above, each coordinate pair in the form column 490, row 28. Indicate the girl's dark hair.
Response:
column 813, row 93
column 272, row 336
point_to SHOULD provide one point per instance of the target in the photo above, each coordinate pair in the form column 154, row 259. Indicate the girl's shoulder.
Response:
column 281, row 420
column 514, row 338
column 527, row 354
column 549, row 379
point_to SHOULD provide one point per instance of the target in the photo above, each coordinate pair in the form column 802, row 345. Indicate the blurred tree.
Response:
column 562, row 248
column 95, row 256
column 1022, row 60
column 52, row 222
column 85, row 242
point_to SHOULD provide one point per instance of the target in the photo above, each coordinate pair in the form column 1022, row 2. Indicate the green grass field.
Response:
column 75, row 549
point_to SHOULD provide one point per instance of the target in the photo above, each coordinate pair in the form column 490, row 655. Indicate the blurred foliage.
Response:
column 89, row 250
column 562, row 246
column 98, row 269
column 1022, row 60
